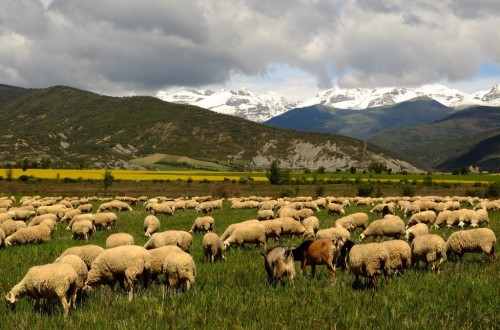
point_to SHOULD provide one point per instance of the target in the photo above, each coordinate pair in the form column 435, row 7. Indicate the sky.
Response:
column 293, row 47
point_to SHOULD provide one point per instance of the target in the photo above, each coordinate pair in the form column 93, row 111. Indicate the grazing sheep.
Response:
column 9, row 227
column 70, row 214
column 416, row 230
column 158, row 257
column 6, row 216
column 479, row 217
column 472, row 240
column 278, row 262
column 427, row 217
column 21, row 224
column 88, row 253
column 119, row 239
column 303, row 213
column 368, row 260
column 2, row 237
column 105, row 220
column 399, row 255
column 353, row 221
column 39, row 218
column 179, row 268
column 287, row 212
column 232, row 227
column 151, row 225
column 335, row 209
column 445, row 217
column 81, row 270
column 57, row 209
column 82, row 229
column 319, row 252
column 51, row 281
column 123, row 263
column 213, row 247
column 389, row 226
column 28, row 235
column 182, row 239
column 311, row 224
column 430, row 248
column 339, row 233
column 161, row 208
column 81, row 217
column 85, row 208
column 202, row 224
column 249, row 233
column 265, row 214
column 20, row 214
column 384, row 209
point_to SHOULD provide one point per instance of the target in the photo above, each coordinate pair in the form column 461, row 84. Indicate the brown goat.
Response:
column 319, row 252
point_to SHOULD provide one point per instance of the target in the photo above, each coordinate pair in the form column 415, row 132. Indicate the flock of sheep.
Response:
column 82, row 268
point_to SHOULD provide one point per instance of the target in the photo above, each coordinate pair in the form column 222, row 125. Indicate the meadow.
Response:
column 235, row 294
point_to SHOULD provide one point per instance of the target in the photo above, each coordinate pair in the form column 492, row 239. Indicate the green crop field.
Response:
column 235, row 295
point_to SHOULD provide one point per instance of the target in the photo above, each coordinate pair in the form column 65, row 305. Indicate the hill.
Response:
column 75, row 128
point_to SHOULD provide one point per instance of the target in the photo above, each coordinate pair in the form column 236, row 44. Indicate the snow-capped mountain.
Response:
column 362, row 98
column 241, row 103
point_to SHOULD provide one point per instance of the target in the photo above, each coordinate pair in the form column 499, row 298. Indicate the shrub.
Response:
column 492, row 190
column 224, row 190
column 320, row 190
column 365, row 189
column 24, row 178
column 287, row 192
column 408, row 190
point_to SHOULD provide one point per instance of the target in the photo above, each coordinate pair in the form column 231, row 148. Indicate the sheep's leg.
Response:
column 303, row 267
column 65, row 305
column 374, row 283
column 313, row 270
column 130, row 278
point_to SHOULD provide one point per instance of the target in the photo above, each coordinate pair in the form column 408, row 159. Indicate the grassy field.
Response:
column 234, row 294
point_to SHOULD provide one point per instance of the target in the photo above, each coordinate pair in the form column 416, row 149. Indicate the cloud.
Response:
column 118, row 46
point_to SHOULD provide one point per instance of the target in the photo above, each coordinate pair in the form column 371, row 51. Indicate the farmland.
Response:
column 234, row 294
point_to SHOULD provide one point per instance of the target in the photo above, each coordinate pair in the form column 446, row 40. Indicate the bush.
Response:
column 365, row 189
column 287, row 192
column 492, row 190
column 474, row 192
column 24, row 178
column 320, row 190
column 408, row 190
column 224, row 190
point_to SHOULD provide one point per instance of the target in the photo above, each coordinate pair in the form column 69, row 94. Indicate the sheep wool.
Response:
column 202, row 224
column 213, row 247
column 399, row 255
column 81, row 270
column 119, row 239
column 389, row 226
column 105, row 220
column 353, row 221
column 28, row 235
column 82, row 230
column 88, row 253
column 179, row 269
column 430, row 248
column 369, row 260
column 427, row 217
column 182, row 239
column 479, row 217
column 151, row 225
column 472, row 240
column 158, row 256
column 311, row 224
column 339, row 233
column 416, row 230
column 249, row 233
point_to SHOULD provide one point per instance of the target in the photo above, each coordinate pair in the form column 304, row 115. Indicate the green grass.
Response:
column 234, row 294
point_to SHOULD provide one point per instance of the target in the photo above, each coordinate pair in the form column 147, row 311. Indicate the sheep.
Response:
column 353, row 221
column 318, row 252
column 57, row 209
column 6, row 216
column 399, row 255
column 303, row 213
column 335, row 209
column 35, row 234
column 85, row 208
column 82, row 229
column 21, row 224
column 427, row 217
column 291, row 227
column 472, row 240
column 202, row 224
column 151, row 225
column 158, row 256
column 161, row 208
column 81, row 217
column 248, row 233
column 274, row 228
column 50, row 281
column 213, row 247
column 231, row 228
column 88, row 253
column 465, row 217
column 20, row 214
column 265, row 214
column 182, row 239
column 479, row 217
column 445, row 217
column 385, row 208
column 430, row 248
column 124, row 263
column 279, row 263
column 81, row 270
column 105, row 220
column 39, row 218
column 70, row 214
column 287, row 211
column 2, row 237
column 389, row 226
column 119, row 239
column 368, row 260
column 311, row 224
column 338, row 233
column 179, row 268
column 9, row 227
column 416, row 230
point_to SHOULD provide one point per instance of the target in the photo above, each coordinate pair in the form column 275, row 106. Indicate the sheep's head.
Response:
column 7, row 242
column 10, row 299
column 362, row 236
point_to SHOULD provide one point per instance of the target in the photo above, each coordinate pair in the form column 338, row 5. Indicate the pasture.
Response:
column 235, row 294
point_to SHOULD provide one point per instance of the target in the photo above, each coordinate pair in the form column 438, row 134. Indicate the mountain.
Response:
column 241, row 103
column 361, row 124
column 467, row 137
column 76, row 128
column 363, row 98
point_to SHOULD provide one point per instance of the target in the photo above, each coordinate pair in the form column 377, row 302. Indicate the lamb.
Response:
column 399, row 255
column 416, row 230
column 151, row 225
column 51, row 281
column 28, row 235
column 335, row 209
column 88, row 253
column 127, row 263
column 182, row 239
column 430, row 248
column 158, row 256
column 472, row 240
column 278, row 262
column 389, row 226
column 179, row 268
column 82, row 229
column 81, row 270
column 479, row 217
column 427, row 217
column 265, row 214
column 248, row 233
column 353, row 221
column 368, row 260
column 105, row 220
column 319, row 252
column 213, row 247
column 202, row 224
column 119, row 239
column 311, row 224
column 338, row 233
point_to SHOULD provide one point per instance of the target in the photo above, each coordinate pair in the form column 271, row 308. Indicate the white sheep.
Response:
column 158, row 257
column 249, row 233
column 9, row 227
column 2, row 237
column 81, row 217
column 479, row 217
column 213, row 247
column 88, row 253
column 265, row 214
column 291, row 227
column 82, row 229
column 303, row 213
column 445, row 217
column 353, row 221
column 427, row 217
column 39, row 218
column 368, row 260
column 389, row 226
column 399, row 255
column 416, row 230
column 123, row 263
column 311, row 224
column 151, row 225
column 339, row 233
column 85, row 208
column 161, row 208
column 384, row 208
column 69, row 215
column 182, row 239
column 472, row 240
column 202, row 224
column 28, row 235
column 430, row 248
column 81, row 270
column 334, row 208
column 51, row 281
column 278, row 262
column 105, row 220
column 179, row 269
column 119, row 239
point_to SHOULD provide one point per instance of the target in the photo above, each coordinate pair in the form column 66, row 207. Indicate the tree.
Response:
column 377, row 167
column 107, row 181
column 353, row 169
column 9, row 173
column 321, row 170
column 275, row 175
column 25, row 164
